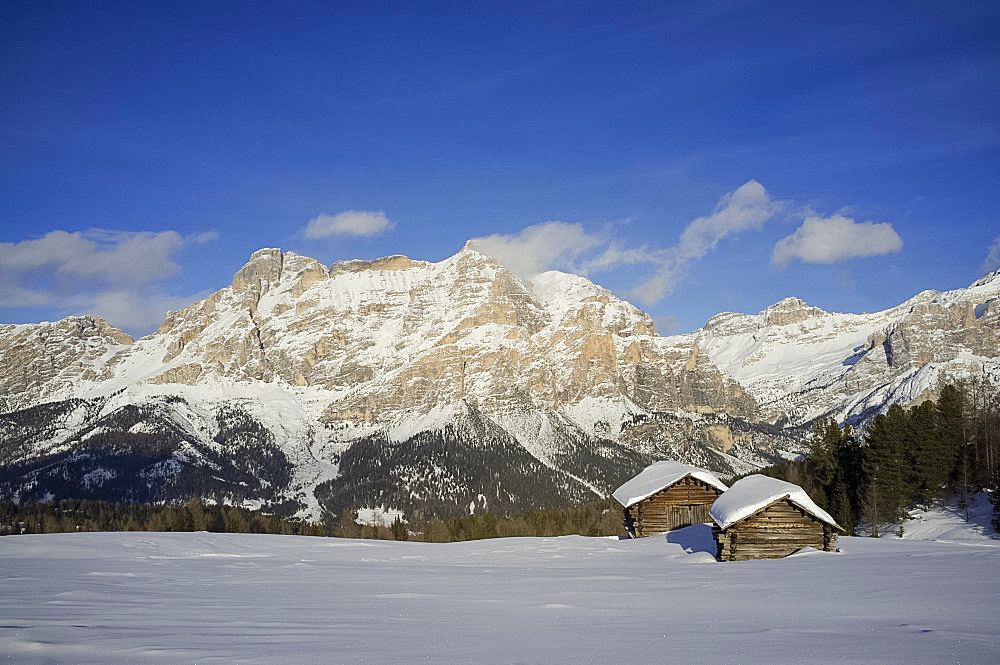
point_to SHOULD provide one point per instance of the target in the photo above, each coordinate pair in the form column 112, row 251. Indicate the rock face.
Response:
column 446, row 386
column 392, row 338
column 44, row 359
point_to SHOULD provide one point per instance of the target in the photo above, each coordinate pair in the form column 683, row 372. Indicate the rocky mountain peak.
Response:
column 992, row 279
column 260, row 272
column 788, row 311
column 45, row 359
column 91, row 327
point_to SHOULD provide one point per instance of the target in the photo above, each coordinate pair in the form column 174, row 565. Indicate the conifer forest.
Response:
column 906, row 456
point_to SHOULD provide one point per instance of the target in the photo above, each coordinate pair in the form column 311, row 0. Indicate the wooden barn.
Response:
column 667, row 495
column 766, row 518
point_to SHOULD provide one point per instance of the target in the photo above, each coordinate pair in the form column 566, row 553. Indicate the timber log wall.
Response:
column 773, row 532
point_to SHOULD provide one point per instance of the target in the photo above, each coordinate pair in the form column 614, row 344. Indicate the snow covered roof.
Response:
column 658, row 475
column 752, row 493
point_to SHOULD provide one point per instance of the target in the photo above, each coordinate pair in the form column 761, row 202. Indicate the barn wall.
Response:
column 684, row 503
column 772, row 533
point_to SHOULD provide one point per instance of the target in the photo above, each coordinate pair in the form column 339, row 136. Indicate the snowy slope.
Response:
column 237, row 598
column 947, row 522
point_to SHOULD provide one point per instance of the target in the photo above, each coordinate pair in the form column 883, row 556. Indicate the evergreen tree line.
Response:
column 597, row 518
column 72, row 515
column 907, row 456
column 601, row 518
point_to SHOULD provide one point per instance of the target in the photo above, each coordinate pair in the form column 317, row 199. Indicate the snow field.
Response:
column 947, row 523
column 241, row 598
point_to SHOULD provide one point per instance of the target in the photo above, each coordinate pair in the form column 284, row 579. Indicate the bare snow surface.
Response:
column 949, row 524
column 658, row 475
column 241, row 598
column 752, row 493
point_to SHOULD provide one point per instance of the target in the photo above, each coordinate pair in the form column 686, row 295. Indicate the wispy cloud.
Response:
column 745, row 208
column 110, row 273
column 366, row 223
column 992, row 261
column 133, row 311
column 834, row 239
column 665, row 324
column 569, row 247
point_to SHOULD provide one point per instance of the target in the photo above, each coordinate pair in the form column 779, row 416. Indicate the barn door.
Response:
column 681, row 516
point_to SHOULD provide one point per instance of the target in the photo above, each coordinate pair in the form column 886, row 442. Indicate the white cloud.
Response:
column 202, row 238
column 135, row 311
column 13, row 295
column 745, row 208
column 992, row 261
column 109, row 273
column 541, row 247
column 560, row 246
column 366, row 223
column 665, row 324
column 97, row 254
column 834, row 239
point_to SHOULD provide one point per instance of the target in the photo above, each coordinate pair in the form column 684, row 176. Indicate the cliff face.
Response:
column 43, row 360
column 377, row 381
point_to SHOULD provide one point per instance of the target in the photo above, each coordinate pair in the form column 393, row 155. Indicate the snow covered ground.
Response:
column 239, row 598
column 948, row 523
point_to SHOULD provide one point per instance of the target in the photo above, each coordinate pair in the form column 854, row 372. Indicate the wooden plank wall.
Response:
column 774, row 532
column 684, row 503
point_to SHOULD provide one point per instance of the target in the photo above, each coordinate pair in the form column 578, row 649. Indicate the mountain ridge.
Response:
column 370, row 361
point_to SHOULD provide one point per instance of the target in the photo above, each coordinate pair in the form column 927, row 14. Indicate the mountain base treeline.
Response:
column 72, row 515
column 600, row 518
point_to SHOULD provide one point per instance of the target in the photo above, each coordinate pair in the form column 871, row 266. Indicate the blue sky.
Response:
column 693, row 157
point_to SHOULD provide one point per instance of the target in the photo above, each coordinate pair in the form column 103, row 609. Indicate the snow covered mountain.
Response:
column 801, row 363
column 445, row 387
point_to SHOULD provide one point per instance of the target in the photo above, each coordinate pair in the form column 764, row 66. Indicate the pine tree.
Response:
column 995, row 502
column 883, row 465
column 399, row 529
column 196, row 510
column 928, row 469
column 871, row 511
column 348, row 527
column 235, row 521
column 214, row 522
column 488, row 526
column 840, row 507
column 821, row 465
column 950, row 431
column 849, row 459
column 436, row 531
column 181, row 520
column 157, row 522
